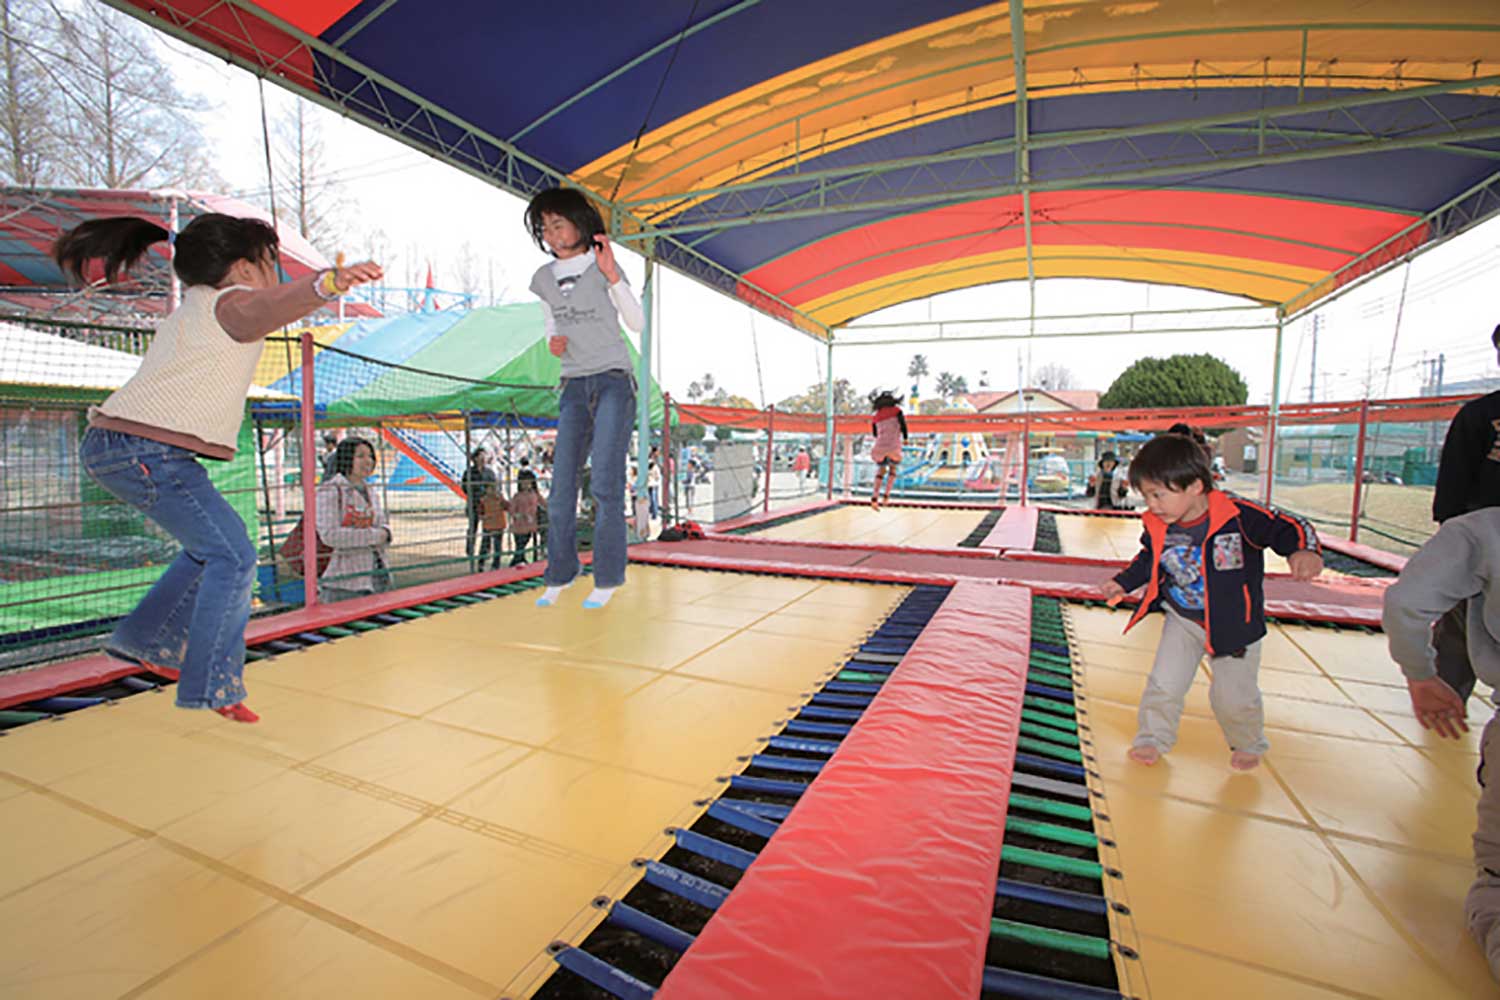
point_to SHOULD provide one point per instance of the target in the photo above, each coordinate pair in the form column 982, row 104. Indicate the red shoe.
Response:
column 238, row 713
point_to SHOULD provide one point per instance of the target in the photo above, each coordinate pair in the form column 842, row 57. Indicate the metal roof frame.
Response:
column 1261, row 137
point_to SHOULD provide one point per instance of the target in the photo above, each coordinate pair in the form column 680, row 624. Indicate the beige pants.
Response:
column 1483, row 905
column 1233, row 691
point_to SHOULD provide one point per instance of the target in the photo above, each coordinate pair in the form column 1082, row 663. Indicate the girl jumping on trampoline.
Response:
column 585, row 298
column 889, row 428
column 1202, row 567
column 185, row 403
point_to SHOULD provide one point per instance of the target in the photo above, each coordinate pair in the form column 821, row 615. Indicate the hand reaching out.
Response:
column 1438, row 707
column 1305, row 565
column 1113, row 593
column 362, row 273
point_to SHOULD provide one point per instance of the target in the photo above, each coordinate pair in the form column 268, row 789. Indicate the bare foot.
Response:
column 1243, row 761
column 1146, row 755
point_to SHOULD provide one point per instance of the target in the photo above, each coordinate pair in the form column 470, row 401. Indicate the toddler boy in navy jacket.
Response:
column 1202, row 565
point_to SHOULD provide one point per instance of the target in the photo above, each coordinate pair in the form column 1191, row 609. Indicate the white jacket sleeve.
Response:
column 331, row 528
column 1443, row 574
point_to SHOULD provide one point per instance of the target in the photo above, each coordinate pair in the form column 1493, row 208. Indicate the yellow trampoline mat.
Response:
column 421, row 810
column 1120, row 538
column 915, row 527
column 1338, row 869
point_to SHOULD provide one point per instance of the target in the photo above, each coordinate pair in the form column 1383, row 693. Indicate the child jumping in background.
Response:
column 889, row 428
column 1106, row 486
column 1202, row 567
column 584, row 299
column 186, row 403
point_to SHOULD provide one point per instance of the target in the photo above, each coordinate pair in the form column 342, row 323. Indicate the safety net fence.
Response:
column 1309, row 458
column 455, row 460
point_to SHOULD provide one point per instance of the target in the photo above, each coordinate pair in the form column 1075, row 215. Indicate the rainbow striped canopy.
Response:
column 820, row 161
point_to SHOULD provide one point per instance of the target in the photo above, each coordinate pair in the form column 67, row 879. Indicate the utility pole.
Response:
column 1312, row 375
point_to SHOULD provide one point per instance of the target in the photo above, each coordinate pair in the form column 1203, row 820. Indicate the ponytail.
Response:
column 120, row 243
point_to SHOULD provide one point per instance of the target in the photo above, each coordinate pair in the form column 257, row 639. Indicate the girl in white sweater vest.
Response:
column 184, row 404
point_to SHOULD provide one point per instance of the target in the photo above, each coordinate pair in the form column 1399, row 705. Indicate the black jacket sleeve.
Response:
column 1279, row 530
column 1138, row 573
column 1463, row 449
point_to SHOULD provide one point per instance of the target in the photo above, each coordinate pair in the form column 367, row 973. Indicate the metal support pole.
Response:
column 1273, row 415
column 1025, row 447
column 265, row 488
column 770, row 455
column 1359, row 470
column 643, row 408
column 828, row 419
column 669, row 460
column 309, row 480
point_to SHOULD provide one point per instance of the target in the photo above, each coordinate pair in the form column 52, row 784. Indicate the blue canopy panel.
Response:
column 547, row 58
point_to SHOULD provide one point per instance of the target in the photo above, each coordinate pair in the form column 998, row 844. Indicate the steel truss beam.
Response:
column 345, row 85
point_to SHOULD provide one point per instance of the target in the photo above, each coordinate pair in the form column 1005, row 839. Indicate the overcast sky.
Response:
column 430, row 210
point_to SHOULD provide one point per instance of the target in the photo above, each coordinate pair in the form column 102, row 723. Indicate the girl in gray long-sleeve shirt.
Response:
column 1461, row 563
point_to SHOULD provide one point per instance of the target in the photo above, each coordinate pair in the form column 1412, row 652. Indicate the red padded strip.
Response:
column 886, row 869
column 91, row 671
column 928, row 504
column 856, row 546
column 680, row 554
column 761, row 518
column 1345, row 601
column 1358, row 550
column 1015, row 530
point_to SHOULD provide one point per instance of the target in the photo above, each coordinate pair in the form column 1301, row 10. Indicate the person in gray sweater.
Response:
column 1461, row 563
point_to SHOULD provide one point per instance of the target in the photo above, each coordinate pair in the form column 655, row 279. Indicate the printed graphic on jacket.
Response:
column 1229, row 552
column 1182, row 567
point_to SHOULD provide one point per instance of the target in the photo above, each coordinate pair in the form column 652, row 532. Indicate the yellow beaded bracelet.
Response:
column 328, row 286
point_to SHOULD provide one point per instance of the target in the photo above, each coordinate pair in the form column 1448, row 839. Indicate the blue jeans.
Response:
column 595, row 417
column 193, row 619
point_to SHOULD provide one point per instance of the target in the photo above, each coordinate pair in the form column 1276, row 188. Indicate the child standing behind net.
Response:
column 185, row 403
column 1202, row 567
column 584, row 300
column 523, row 508
column 889, row 428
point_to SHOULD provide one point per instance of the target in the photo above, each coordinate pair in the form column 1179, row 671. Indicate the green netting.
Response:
column 494, row 359
column 70, row 552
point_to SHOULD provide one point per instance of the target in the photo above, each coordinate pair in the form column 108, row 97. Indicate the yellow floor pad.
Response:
column 915, row 527
column 1338, row 869
column 422, row 809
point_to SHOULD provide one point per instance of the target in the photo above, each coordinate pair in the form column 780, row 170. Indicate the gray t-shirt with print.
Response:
column 583, row 312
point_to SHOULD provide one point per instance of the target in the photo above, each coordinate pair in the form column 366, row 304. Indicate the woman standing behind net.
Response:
column 185, row 403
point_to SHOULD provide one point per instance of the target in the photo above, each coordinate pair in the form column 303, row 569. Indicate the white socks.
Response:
column 549, row 596
column 600, row 597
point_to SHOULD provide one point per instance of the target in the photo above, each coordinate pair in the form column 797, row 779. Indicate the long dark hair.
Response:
column 205, row 249
column 571, row 205
column 343, row 457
